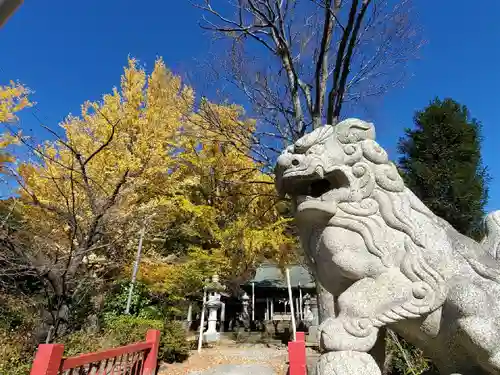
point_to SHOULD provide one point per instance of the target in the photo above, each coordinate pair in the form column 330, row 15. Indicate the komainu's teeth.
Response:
column 320, row 172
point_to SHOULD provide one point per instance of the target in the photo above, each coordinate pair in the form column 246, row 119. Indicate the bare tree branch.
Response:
column 318, row 55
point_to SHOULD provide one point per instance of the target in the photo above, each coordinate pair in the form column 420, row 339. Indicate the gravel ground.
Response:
column 275, row 358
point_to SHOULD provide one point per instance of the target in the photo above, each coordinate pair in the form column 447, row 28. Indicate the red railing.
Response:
column 135, row 359
column 297, row 355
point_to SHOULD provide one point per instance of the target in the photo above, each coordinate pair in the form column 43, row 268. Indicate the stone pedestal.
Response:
column 347, row 363
column 211, row 333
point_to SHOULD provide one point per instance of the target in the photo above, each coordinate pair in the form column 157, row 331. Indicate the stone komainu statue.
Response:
column 387, row 259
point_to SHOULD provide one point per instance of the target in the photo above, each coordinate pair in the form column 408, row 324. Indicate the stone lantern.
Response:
column 308, row 314
column 245, row 315
column 213, row 304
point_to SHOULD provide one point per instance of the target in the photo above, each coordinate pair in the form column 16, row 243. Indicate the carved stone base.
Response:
column 211, row 336
column 347, row 363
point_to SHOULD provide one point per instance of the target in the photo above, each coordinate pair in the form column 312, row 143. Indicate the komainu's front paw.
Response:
column 347, row 363
column 339, row 334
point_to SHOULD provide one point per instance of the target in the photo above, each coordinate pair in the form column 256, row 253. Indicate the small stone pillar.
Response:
column 313, row 304
column 189, row 317
column 312, row 307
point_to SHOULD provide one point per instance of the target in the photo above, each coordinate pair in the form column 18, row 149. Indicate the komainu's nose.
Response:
column 289, row 160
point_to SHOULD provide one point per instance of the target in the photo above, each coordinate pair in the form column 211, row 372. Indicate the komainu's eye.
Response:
column 315, row 149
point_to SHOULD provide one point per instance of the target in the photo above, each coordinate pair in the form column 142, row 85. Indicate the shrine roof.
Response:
column 271, row 276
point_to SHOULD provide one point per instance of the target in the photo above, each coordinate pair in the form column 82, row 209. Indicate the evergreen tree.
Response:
column 441, row 163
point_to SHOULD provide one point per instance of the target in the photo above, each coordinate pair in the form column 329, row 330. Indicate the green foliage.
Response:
column 441, row 163
column 174, row 346
column 405, row 358
column 116, row 301
column 10, row 319
column 14, row 355
column 17, row 322
column 84, row 342
column 127, row 329
column 144, row 303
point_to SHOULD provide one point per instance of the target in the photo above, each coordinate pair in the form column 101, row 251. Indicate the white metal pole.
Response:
column 267, row 309
column 253, row 301
column 222, row 316
column 202, row 319
column 301, row 304
column 189, row 317
column 290, row 297
column 136, row 269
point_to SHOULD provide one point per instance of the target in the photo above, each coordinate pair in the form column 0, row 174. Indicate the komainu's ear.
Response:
column 353, row 130
column 319, row 135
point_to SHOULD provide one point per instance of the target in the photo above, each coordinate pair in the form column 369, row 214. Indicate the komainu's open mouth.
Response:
column 320, row 187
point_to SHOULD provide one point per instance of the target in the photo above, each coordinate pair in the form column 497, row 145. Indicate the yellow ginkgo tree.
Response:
column 13, row 98
column 223, row 218
column 142, row 156
column 82, row 199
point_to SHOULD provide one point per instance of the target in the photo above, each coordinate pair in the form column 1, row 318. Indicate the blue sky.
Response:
column 70, row 51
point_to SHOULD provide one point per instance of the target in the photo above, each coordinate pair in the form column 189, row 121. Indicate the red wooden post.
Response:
column 48, row 359
column 152, row 336
column 300, row 336
column 297, row 357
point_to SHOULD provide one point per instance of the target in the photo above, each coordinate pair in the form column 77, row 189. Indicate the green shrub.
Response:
column 117, row 331
column 126, row 329
column 116, row 299
column 14, row 357
column 174, row 345
column 151, row 312
column 406, row 359
column 85, row 342
column 16, row 313
column 17, row 322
